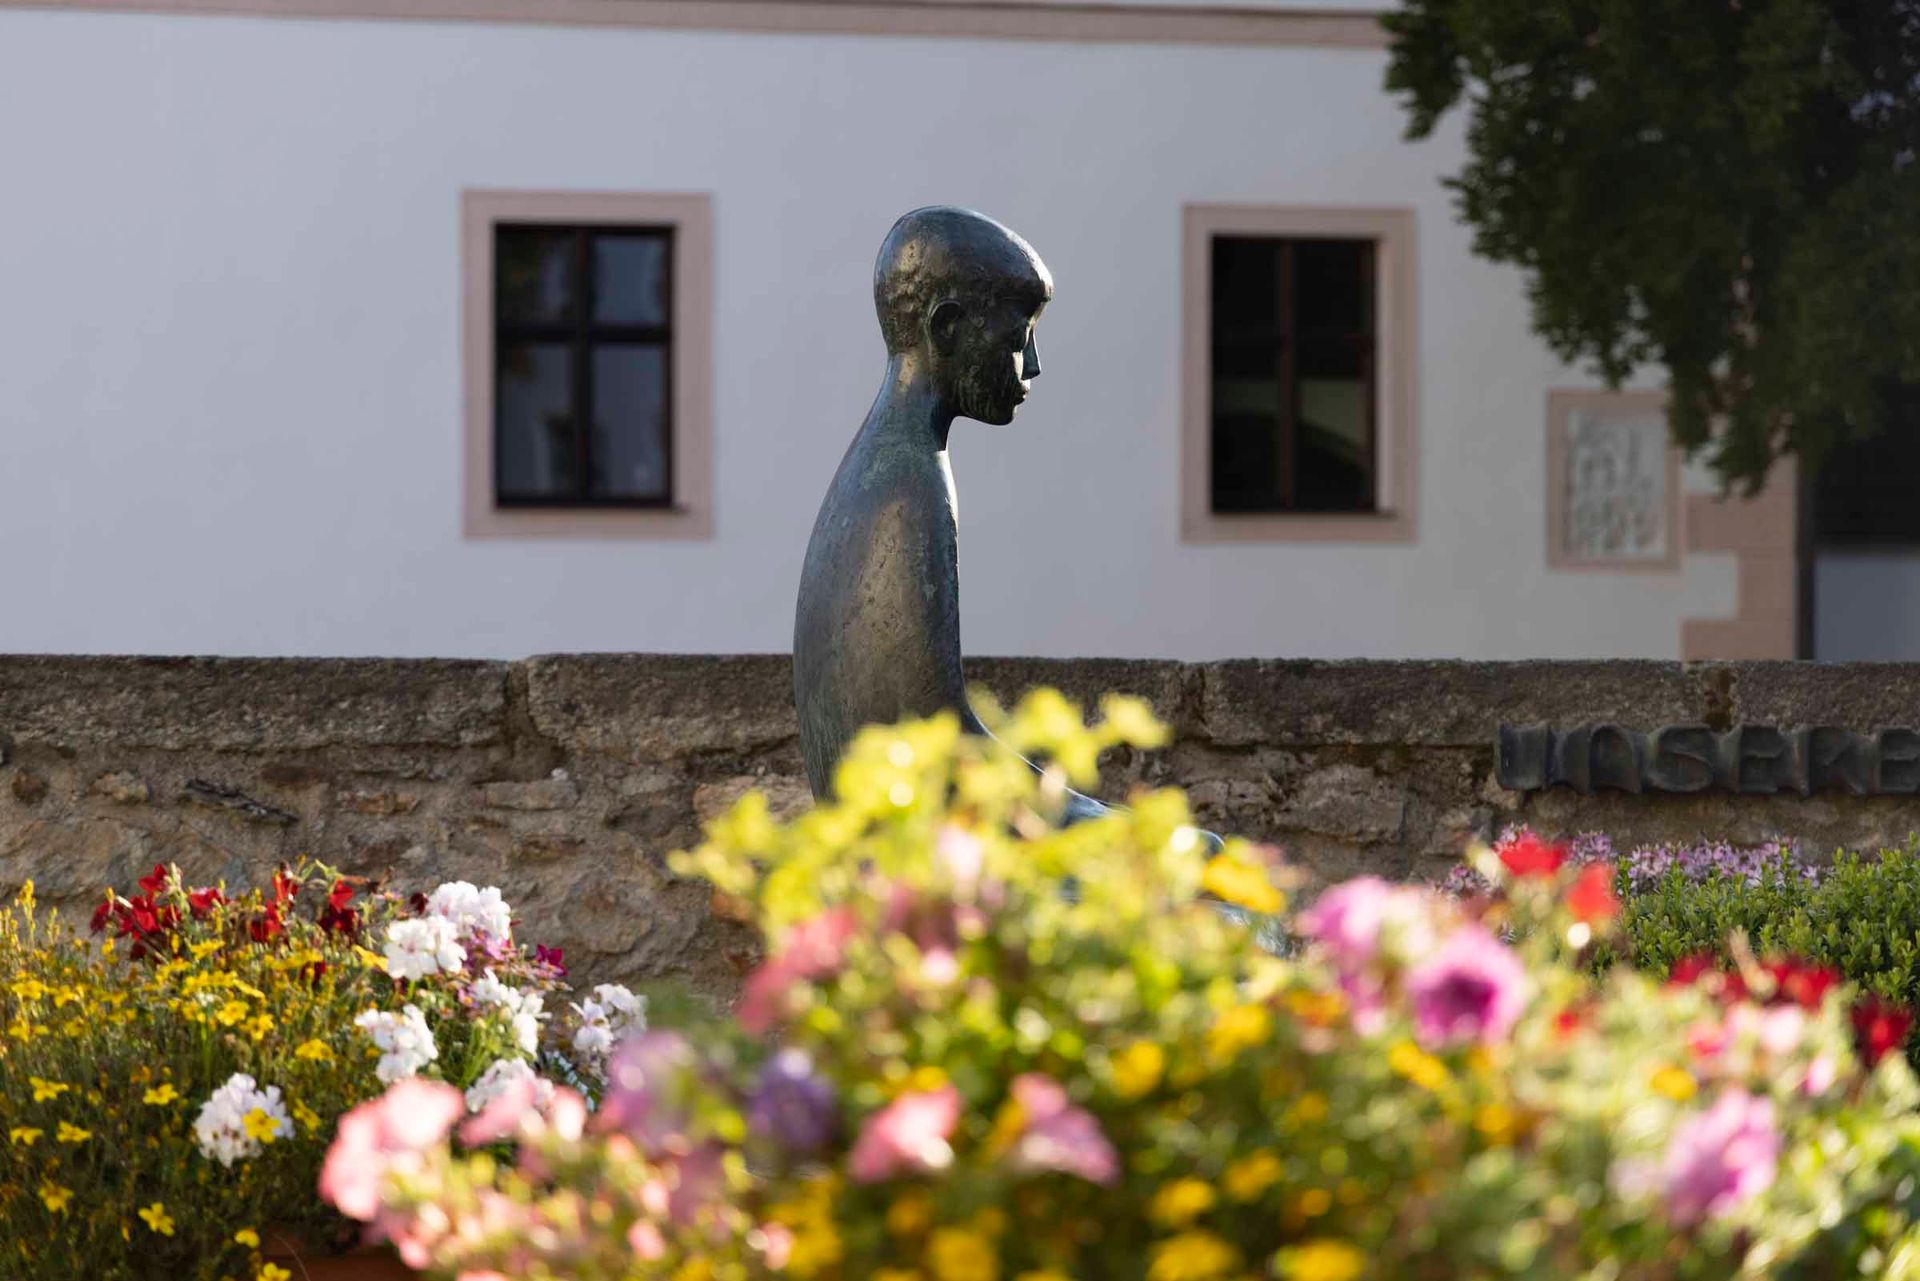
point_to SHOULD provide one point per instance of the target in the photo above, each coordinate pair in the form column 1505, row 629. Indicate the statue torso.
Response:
column 877, row 633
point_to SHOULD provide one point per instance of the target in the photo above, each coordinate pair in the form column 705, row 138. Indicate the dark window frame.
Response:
column 1286, row 336
column 582, row 334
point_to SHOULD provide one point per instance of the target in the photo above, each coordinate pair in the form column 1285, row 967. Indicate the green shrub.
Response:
column 1861, row 916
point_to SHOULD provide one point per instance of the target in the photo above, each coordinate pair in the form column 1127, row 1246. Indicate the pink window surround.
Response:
column 691, row 216
column 1396, row 374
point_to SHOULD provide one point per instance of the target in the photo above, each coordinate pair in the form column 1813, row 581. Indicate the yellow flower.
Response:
column 274, row 1272
column 259, row 1025
column 910, row 1214
column 1179, row 1203
column 30, row 989
column 317, row 1050
column 44, row 1090
column 1309, row 1108
column 959, row 1254
column 70, row 1133
column 259, row 1126
column 1242, row 884
column 162, row 1095
column 1325, row 1260
column 1192, row 1256
column 1676, row 1083
column 157, row 1219
column 1419, row 1067
column 1237, row 1029
column 895, row 1274
column 1497, row 1122
column 24, row 1135
column 55, row 1197
column 247, row 1237
column 1313, row 1203
column 1137, row 1069
column 307, row 1117
column 1250, row 1176
column 232, row 1012
column 1043, row 1274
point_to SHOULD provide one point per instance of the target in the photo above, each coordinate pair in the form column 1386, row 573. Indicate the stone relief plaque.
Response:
column 1613, row 482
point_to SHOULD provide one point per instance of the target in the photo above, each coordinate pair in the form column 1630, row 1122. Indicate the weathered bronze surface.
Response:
column 1757, row 759
column 877, row 633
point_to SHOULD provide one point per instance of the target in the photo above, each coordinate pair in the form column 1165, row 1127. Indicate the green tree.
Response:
column 1726, row 188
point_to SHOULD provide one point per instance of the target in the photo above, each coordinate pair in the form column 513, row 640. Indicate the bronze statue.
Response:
column 877, row 634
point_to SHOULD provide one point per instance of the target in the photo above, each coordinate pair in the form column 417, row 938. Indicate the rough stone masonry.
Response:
column 567, row 780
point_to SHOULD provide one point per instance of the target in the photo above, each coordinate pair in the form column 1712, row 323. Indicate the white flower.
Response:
column 473, row 912
column 420, row 948
column 404, row 1040
column 610, row 1014
column 527, row 1010
column 222, row 1130
column 502, row 1076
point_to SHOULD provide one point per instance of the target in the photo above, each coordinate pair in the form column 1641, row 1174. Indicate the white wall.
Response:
column 229, row 340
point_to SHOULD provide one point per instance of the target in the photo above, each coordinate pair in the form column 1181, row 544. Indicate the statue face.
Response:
column 989, row 358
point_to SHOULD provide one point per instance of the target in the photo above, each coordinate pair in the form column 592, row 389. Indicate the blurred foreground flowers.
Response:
column 170, row 1079
column 984, row 1049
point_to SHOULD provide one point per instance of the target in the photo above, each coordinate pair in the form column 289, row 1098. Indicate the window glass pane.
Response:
column 630, row 421
column 1333, row 438
column 533, row 275
column 630, row 279
column 1332, row 289
column 535, row 454
column 1246, row 284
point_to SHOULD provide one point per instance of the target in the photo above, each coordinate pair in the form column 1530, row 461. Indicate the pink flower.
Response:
column 1350, row 919
column 907, row 1135
column 1720, row 1157
column 649, row 1080
column 646, row 1242
column 963, row 855
column 1472, row 989
column 1058, row 1135
column 387, row 1133
column 813, row 950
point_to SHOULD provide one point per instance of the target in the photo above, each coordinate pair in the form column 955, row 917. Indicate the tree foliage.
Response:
column 1726, row 188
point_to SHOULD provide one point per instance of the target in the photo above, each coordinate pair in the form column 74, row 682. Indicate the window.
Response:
column 587, row 352
column 1293, row 377
column 1298, row 355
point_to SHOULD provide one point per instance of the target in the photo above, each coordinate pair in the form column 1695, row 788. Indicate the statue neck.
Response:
column 910, row 408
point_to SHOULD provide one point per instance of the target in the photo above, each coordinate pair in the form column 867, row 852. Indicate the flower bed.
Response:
column 983, row 1049
column 169, row 1080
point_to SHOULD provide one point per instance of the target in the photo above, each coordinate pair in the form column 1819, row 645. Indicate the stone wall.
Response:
column 566, row 780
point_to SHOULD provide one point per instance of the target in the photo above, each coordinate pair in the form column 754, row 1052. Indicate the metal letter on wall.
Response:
column 1758, row 760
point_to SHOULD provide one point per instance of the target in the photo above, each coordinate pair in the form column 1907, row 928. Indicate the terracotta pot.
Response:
column 309, row 1263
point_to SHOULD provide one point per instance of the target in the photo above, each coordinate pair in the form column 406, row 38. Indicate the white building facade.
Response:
column 266, row 391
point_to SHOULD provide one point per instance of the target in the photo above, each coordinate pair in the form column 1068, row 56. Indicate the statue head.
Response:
column 962, row 293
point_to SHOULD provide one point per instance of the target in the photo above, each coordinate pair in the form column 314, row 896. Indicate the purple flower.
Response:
column 1473, row 988
column 1721, row 1157
column 647, row 1079
column 792, row 1104
column 1058, row 1135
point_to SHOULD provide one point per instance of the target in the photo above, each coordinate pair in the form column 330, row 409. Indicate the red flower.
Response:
column 1879, row 1026
column 267, row 926
column 1801, row 982
column 1569, row 1021
column 204, row 901
column 1689, row 970
column 417, row 903
column 284, row 888
column 1591, row 897
column 1525, row 854
column 551, row 957
column 102, row 913
column 157, row 881
column 337, row 917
